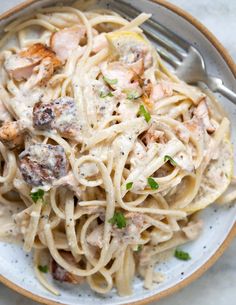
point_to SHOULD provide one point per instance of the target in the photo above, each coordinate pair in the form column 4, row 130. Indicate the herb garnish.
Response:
column 132, row 95
column 142, row 111
column 105, row 94
column 43, row 269
column 152, row 183
column 35, row 196
column 139, row 248
column 110, row 81
column 118, row 219
column 184, row 256
column 169, row 158
column 129, row 185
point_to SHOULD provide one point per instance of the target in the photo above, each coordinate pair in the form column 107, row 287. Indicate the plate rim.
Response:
column 232, row 233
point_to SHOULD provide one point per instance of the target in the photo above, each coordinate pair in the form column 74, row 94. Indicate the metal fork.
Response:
column 187, row 61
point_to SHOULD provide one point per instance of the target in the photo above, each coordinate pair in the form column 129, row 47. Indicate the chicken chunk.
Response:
column 66, row 40
column 131, row 233
column 21, row 66
column 160, row 91
column 41, row 164
column 120, row 77
column 43, row 115
column 12, row 134
column 60, row 114
column 60, row 274
column 153, row 135
column 202, row 113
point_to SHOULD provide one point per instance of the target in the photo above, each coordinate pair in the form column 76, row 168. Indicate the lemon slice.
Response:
column 215, row 180
column 127, row 44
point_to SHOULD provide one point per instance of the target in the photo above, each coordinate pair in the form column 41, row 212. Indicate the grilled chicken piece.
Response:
column 43, row 115
column 22, row 65
column 42, row 74
column 11, row 134
column 60, row 274
column 131, row 233
column 120, row 77
column 66, row 40
column 41, row 164
column 153, row 135
column 60, row 114
column 160, row 91
column 202, row 112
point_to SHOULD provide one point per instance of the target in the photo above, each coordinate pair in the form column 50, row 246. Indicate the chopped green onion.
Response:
column 133, row 95
column 144, row 113
column 110, row 81
column 35, row 196
column 169, row 158
column 139, row 248
column 129, row 185
column 118, row 219
column 105, row 94
column 43, row 269
column 184, row 256
column 152, row 183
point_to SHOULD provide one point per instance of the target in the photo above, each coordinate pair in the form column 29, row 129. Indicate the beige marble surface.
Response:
column 217, row 285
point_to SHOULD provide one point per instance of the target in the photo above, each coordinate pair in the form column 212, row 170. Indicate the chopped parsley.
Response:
column 139, row 248
column 132, row 95
column 105, row 94
column 35, row 196
column 110, row 81
column 142, row 111
column 184, row 256
column 119, row 220
column 129, row 185
column 169, row 158
column 43, row 269
column 152, row 183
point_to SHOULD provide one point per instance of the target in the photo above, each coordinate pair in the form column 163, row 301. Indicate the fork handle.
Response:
column 216, row 85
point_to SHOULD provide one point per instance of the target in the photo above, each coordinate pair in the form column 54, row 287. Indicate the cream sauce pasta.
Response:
column 106, row 156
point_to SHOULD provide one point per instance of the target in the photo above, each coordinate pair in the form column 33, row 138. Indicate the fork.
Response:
column 187, row 61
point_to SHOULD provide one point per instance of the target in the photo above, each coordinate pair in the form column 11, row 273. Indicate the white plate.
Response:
column 16, row 267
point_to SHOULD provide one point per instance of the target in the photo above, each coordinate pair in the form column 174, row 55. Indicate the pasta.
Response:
column 106, row 156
